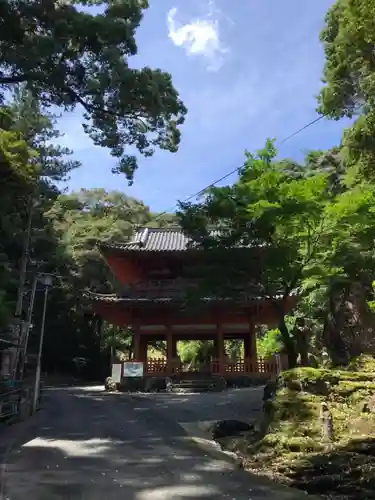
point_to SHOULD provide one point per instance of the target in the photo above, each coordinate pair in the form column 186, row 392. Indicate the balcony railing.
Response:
column 159, row 288
column 259, row 366
column 178, row 288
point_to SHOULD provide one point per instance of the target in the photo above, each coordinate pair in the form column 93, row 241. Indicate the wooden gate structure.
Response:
column 152, row 275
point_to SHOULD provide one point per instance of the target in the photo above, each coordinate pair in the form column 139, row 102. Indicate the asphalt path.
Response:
column 89, row 445
column 196, row 412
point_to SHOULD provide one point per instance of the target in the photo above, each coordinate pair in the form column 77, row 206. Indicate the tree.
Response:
column 38, row 127
column 82, row 219
column 67, row 55
column 349, row 77
column 344, row 273
column 277, row 215
column 18, row 179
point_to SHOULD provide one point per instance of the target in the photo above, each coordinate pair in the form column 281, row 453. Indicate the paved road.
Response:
column 91, row 445
column 196, row 412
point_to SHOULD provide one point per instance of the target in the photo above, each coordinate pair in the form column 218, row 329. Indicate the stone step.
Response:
column 194, row 382
column 197, row 385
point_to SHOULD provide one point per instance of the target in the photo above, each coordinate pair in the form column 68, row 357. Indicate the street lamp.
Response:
column 46, row 279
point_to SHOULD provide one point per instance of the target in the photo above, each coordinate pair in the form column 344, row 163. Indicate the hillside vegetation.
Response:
column 295, row 443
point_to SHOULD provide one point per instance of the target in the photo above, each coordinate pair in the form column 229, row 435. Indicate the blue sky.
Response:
column 246, row 69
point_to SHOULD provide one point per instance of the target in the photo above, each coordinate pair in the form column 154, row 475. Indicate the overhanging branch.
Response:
column 90, row 108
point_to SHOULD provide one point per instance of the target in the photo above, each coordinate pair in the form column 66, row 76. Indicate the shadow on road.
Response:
column 91, row 445
column 242, row 404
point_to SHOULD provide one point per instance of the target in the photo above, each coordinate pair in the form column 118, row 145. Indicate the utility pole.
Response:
column 28, row 326
column 25, row 258
column 47, row 281
column 19, row 327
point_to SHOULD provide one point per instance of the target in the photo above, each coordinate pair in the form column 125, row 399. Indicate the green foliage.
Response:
column 17, row 183
column 349, row 77
column 68, row 54
column 304, row 230
column 269, row 344
column 363, row 363
column 278, row 214
column 264, row 208
column 189, row 351
column 38, row 128
column 117, row 339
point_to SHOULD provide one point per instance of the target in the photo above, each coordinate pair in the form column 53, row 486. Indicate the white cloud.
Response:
column 199, row 37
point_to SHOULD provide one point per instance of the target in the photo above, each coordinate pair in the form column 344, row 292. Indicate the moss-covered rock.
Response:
column 363, row 363
column 291, row 442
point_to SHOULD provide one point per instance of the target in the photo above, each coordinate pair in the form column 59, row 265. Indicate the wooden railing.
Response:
column 158, row 366
column 176, row 287
column 245, row 366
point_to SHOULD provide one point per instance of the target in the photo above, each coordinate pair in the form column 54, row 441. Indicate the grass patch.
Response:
column 289, row 444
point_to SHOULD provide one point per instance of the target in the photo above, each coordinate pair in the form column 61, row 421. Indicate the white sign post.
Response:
column 116, row 372
column 133, row 369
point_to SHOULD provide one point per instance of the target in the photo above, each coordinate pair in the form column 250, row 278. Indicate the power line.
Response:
column 235, row 170
column 301, row 129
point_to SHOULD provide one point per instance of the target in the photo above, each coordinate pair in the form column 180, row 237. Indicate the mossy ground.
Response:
column 289, row 445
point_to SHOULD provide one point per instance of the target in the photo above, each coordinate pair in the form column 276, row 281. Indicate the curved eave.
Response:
column 115, row 299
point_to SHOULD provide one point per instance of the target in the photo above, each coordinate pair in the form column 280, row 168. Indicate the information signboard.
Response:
column 133, row 369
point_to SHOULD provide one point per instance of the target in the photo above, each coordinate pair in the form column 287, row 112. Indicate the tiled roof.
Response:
column 151, row 239
column 115, row 299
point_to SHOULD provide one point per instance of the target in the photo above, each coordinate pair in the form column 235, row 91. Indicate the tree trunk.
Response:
column 301, row 334
column 288, row 342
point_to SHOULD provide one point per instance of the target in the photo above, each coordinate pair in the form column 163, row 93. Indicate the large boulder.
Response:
column 224, row 428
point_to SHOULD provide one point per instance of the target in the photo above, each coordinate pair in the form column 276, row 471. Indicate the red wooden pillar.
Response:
column 169, row 348
column 136, row 338
column 253, row 340
column 247, row 346
column 250, row 346
column 136, row 344
column 174, row 346
column 220, row 348
column 143, row 348
column 250, row 349
column 216, row 348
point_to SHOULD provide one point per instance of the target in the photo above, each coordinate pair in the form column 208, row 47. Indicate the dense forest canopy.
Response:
column 316, row 218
